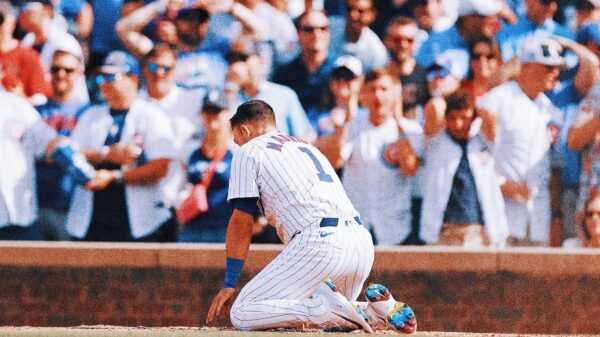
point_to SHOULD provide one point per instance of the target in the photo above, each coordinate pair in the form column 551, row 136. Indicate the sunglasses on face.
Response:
column 477, row 56
column 312, row 29
column 107, row 78
column 57, row 69
column 154, row 67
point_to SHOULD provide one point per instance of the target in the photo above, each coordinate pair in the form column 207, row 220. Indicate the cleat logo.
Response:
column 325, row 234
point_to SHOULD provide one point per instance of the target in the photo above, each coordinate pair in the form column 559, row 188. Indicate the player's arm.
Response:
column 237, row 245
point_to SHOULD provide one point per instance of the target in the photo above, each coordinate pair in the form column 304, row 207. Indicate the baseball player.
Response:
column 323, row 235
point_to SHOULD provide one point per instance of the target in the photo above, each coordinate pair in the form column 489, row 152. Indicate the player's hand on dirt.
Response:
column 102, row 179
column 123, row 154
column 518, row 192
column 224, row 297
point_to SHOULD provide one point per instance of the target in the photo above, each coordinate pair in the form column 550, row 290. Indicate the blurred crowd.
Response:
column 456, row 122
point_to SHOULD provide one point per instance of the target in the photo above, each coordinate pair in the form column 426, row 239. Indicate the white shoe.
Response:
column 345, row 316
column 387, row 312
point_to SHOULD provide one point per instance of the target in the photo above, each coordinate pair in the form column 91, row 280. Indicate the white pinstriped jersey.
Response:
column 296, row 184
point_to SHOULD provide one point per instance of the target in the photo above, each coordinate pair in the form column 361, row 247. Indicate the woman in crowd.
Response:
column 590, row 225
column 485, row 61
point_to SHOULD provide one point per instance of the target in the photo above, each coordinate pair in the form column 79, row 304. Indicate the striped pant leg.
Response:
column 280, row 295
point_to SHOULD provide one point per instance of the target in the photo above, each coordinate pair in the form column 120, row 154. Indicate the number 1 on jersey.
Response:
column 320, row 172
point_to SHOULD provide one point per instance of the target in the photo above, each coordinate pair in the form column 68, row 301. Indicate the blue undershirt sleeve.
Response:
column 247, row 205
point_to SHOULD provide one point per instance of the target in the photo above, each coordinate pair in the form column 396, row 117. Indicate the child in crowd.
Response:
column 461, row 191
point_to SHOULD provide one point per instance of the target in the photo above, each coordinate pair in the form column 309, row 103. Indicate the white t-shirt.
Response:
column 522, row 154
column 378, row 190
column 23, row 137
column 148, row 127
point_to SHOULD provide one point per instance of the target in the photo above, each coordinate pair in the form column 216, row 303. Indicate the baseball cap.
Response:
column 196, row 14
column 120, row 62
column 541, row 51
column 349, row 62
column 215, row 101
column 589, row 32
column 479, row 7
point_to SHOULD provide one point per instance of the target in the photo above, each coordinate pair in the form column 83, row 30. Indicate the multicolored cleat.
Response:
column 345, row 316
column 389, row 313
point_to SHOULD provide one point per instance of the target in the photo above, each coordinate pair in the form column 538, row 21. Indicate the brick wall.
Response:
column 518, row 291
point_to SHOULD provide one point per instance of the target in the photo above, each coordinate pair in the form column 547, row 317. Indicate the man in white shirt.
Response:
column 526, row 121
column 380, row 153
column 129, row 142
column 23, row 137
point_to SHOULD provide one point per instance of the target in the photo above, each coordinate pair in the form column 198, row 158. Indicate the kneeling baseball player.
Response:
column 328, row 253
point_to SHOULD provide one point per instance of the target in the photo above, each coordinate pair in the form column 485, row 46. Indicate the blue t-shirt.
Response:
column 219, row 210
column 103, row 38
column 54, row 186
column 463, row 204
column 309, row 87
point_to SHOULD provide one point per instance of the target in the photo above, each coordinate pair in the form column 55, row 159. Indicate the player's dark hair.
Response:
column 253, row 111
column 459, row 100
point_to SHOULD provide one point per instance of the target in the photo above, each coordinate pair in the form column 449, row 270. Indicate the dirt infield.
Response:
column 111, row 331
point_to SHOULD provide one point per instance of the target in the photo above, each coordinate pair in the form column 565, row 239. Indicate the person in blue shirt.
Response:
column 217, row 145
column 476, row 18
column 307, row 74
column 54, row 186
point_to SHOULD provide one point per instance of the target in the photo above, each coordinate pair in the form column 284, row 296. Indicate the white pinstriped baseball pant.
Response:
column 280, row 295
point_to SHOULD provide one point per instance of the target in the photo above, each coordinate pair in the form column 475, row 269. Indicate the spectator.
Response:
column 214, row 154
column 584, row 133
column 25, row 136
column 342, row 93
column 400, row 41
column 537, row 21
column 99, row 17
column 61, row 112
column 201, row 65
column 587, row 11
column 485, row 60
column 381, row 152
column 566, row 164
column 525, row 117
column 245, row 81
column 43, row 35
column 129, row 141
column 590, row 225
column 307, row 74
column 181, row 108
column 462, row 194
column 477, row 17
column 22, row 65
column 351, row 35
column 276, row 46
column 158, row 68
